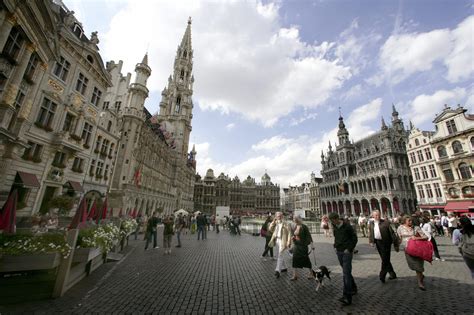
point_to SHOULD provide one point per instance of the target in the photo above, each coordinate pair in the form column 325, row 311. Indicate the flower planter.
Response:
column 9, row 263
column 85, row 254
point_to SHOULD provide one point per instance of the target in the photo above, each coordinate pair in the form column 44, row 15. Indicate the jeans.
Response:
column 267, row 248
column 345, row 260
column 178, row 236
column 201, row 232
column 148, row 239
column 217, row 228
column 167, row 241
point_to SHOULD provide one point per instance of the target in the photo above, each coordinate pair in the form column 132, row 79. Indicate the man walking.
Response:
column 217, row 222
column 151, row 231
column 280, row 238
column 178, row 227
column 363, row 224
column 201, row 225
column 345, row 240
column 382, row 236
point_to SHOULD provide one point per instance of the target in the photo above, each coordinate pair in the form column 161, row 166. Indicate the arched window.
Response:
column 457, row 147
column 464, row 171
column 109, row 125
column 472, row 142
column 178, row 104
column 442, row 151
column 417, row 142
column 453, row 192
column 181, row 76
column 468, row 190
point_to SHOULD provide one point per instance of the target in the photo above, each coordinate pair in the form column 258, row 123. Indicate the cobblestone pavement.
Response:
column 225, row 275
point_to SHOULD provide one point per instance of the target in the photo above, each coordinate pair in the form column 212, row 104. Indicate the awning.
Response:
column 28, row 180
column 459, row 206
column 76, row 186
column 441, row 207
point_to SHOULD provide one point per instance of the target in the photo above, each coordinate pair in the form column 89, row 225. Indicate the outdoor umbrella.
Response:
column 181, row 211
column 81, row 214
column 8, row 215
column 92, row 211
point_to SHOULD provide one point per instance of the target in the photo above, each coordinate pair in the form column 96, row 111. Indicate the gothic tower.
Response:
column 176, row 103
column 342, row 133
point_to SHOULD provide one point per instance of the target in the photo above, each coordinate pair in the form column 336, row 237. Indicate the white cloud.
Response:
column 230, row 126
column 307, row 116
column 403, row 55
column 244, row 61
column 291, row 160
column 424, row 107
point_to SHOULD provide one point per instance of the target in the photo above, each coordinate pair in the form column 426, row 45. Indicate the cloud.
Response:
column 244, row 61
column 405, row 54
column 230, row 126
column 307, row 116
column 292, row 159
column 424, row 107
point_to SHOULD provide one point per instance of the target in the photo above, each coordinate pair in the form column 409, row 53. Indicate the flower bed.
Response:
column 104, row 236
column 127, row 227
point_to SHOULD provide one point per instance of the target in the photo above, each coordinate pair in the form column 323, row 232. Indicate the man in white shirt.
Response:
column 382, row 236
column 363, row 224
column 280, row 238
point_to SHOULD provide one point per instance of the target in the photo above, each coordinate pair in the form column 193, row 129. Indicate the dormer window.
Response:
column 78, row 30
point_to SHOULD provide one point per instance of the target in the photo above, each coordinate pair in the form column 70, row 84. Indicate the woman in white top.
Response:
column 407, row 231
column 429, row 230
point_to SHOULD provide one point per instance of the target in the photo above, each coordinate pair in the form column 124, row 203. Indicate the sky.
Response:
column 272, row 77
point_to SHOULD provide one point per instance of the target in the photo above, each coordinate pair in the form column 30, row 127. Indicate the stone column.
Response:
column 352, row 208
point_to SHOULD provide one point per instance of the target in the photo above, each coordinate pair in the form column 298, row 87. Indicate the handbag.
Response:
column 263, row 232
column 420, row 248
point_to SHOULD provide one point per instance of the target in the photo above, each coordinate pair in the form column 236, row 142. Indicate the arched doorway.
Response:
column 386, row 209
column 340, row 208
column 375, row 204
column 396, row 207
column 348, row 207
column 365, row 206
column 357, row 207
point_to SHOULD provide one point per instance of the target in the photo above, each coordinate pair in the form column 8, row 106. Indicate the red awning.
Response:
column 459, row 206
column 28, row 180
column 76, row 186
column 441, row 207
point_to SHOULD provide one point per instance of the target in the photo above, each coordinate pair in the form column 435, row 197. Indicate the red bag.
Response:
column 420, row 248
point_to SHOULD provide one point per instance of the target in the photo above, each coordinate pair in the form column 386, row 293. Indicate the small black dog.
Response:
column 319, row 275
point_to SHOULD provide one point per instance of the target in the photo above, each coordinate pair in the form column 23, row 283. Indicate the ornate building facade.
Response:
column 243, row 198
column 372, row 173
column 453, row 144
column 153, row 169
column 52, row 126
column 302, row 197
column 314, row 194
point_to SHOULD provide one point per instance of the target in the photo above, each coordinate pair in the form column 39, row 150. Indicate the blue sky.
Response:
column 271, row 76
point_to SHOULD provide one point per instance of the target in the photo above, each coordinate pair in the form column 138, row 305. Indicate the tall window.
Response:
column 105, row 105
column 97, row 143
column 457, row 147
column 442, row 151
column 424, row 172
column 412, row 157
column 429, row 192
column 117, row 105
column 416, row 173
column 437, row 190
column 421, row 192
column 417, row 142
column 77, row 165
column 420, row 156
column 33, row 152
column 81, row 84
column 178, row 105
column 46, row 113
column 31, row 68
column 86, row 133
column 105, row 144
column 447, row 171
column 13, row 45
column 100, row 166
column 91, row 168
column 464, row 171
column 432, row 170
column 451, row 126
column 68, row 122
column 61, row 68
column 109, row 125
column 20, row 96
column 428, row 153
column 59, row 159
column 96, row 95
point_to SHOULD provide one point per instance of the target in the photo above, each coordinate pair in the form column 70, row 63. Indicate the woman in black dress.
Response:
column 301, row 239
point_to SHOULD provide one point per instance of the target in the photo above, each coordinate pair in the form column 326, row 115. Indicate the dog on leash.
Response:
column 319, row 275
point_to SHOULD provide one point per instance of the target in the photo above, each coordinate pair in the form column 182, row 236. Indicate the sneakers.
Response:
column 345, row 301
column 277, row 274
column 440, row 259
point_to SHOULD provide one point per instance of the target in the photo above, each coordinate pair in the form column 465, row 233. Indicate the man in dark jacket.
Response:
column 201, row 226
column 382, row 236
column 345, row 240
column 151, row 231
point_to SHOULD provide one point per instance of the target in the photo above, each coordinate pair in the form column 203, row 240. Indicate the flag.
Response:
column 102, row 215
column 134, row 213
column 92, row 211
column 80, row 216
column 137, row 177
column 121, row 213
column 8, row 214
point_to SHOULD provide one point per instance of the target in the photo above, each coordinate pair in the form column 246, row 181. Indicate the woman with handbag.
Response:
column 407, row 232
column 267, row 233
column 466, row 243
column 301, row 239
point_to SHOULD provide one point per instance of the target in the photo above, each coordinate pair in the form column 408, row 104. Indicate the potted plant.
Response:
column 63, row 203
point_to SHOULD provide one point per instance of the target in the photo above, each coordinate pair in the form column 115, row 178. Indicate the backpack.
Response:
column 445, row 222
column 467, row 246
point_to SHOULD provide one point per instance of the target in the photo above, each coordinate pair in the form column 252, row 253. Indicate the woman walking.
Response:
column 466, row 243
column 406, row 231
column 301, row 239
column 325, row 226
column 168, row 232
column 430, row 230
column 267, row 233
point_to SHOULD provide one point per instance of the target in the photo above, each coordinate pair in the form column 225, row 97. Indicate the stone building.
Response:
column 246, row 197
column 153, row 170
column 315, row 195
column 426, row 176
column 453, row 144
column 52, row 85
column 372, row 173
